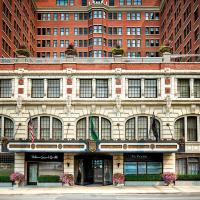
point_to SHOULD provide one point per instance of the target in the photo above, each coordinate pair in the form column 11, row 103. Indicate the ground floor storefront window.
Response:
column 43, row 164
column 188, row 164
column 143, row 164
column 6, row 164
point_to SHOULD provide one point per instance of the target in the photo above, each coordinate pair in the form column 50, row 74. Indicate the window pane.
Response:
column 179, row 129
column 35, row 128
column 134, row 88
column 53, row 90
column 96, row 126
column 142, row 167
column 183, row 88
column 142, row 128
column 150, row 88
column 130, row 129
column 8, row 128
column 181, row 166
column 45, row 128
column 81, row 129
column 197, row 88
column 105, row 129
column 5, row 88
column 154, row 167
column 1, row 127
column 37, row 88
column 85, row 88
column 130, row 168
column 193, row 166
column 192, row 128
column 102, row 88
column 56, row 129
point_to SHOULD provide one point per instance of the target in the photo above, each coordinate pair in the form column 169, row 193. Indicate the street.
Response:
column 186, row 196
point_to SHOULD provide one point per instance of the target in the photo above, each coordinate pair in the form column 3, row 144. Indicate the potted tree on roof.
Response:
column 118, row 51
column 22, row 52
column 165, row 48
column 71, row 51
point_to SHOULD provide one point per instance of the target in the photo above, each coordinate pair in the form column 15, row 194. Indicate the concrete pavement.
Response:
column 101, row 190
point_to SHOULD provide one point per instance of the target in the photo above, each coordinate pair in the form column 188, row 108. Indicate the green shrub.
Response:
column 189, row 177
column 118, row 51
column 23, row 52
column 48, row 179
column 164, row 49
column 4, row 179
column 145, row 177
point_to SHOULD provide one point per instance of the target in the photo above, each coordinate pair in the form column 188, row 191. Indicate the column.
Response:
column 19, row 163
column 169, row 162
column 69, row 163
column 118, row 162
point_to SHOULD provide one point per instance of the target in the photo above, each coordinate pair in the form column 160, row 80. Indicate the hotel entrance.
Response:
column 91, row 169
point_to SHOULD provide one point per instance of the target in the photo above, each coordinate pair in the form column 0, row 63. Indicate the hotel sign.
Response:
column 50, row 157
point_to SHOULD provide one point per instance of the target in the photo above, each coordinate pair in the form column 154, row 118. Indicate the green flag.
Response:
column 92, row 129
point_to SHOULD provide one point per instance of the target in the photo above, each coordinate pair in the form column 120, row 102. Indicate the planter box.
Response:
column 144, row 183
column 187, row 183
column 49, row 184
column 6, row 184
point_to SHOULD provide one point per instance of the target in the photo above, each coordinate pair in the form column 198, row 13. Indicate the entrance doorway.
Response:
column 32, row 173
column 91, row 169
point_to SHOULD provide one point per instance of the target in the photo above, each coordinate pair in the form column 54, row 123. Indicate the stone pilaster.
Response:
column 169, row 161
column 69, row 163
column 118, row 161
column 20, row 163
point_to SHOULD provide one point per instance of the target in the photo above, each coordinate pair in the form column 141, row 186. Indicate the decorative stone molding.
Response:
column 118, row 104
column 193, row 108
column 44, row 108
column 93, row 109
column 19, row 104
column 168, row 103
column 68, row 104
column 143, row 108
column 118, row 72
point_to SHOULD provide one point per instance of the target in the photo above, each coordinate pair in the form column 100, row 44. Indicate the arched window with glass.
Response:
column 139, row 127
column 186, row 128
column 6, row 127
column 101, row 126
column 46, row 127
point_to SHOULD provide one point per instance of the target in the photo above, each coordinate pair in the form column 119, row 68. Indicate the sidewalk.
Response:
column 100, row 190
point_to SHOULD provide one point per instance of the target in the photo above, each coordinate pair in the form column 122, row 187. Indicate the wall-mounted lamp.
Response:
column 68, row 124
column 68, row 164
column 118, row 124
column 118, row 164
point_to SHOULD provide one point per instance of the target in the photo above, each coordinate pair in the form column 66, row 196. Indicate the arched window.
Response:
column 130, row 129
column 81, row 129
column 47, row 127
column 6, row 127
column 187, row 126
column 139, row 128
column 101, row 126
column 179, row 129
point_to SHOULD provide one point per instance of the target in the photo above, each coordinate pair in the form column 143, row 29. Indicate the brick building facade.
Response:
column 95, row 27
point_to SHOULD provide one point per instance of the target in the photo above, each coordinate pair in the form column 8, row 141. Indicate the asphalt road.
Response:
column 188, row 196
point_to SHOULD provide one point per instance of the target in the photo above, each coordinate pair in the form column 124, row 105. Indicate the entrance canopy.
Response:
column 93, row 146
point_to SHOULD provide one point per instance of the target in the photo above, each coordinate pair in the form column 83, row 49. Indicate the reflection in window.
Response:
column 179, row 129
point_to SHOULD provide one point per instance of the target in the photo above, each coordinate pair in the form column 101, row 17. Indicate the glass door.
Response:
column 98, row 171
column 32, row 173
column 108, row 168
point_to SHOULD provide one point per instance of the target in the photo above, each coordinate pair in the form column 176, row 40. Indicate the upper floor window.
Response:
column 183, row 87
column 100, row 89
column 6, row 127
column 133, row 16
column 137, row 2
column 152, row 16
column 138, row 128
column 61, row 2
column 101, row 126
column 186, row 128
column 146, row 86
column 38, row 88
column 5, row 88
column 46, row 127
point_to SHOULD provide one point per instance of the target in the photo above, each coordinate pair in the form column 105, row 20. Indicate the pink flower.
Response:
column 67, row 179
column 17, row 177
column 118, row 178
